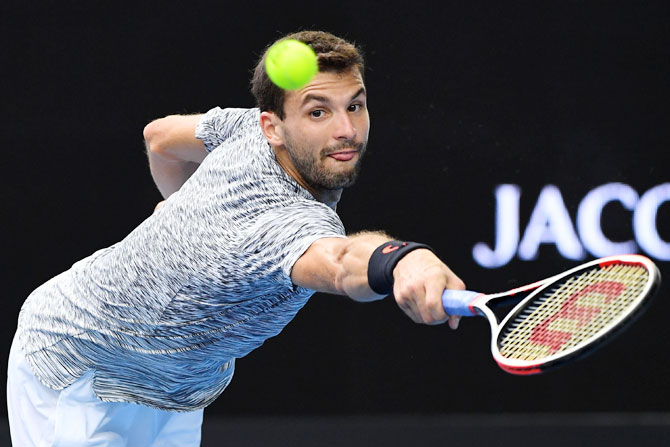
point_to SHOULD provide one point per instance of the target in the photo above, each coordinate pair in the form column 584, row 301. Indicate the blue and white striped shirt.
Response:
column 161, row 316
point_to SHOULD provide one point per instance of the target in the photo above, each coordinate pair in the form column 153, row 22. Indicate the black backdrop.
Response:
column 464, row 96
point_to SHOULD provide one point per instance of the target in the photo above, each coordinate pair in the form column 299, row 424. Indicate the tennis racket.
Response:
column 566, row 316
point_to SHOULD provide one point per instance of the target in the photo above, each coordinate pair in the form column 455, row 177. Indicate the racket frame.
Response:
column 482, row 305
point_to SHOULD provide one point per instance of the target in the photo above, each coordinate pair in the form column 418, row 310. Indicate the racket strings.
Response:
column 572, row 312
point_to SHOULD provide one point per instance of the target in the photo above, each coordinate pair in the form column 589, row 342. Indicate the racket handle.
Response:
column 457, row 302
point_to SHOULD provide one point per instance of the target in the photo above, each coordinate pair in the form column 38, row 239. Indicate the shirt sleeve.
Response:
column 280, row 236
column 218, row 125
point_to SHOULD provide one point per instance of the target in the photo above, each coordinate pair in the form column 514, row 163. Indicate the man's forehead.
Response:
column 329, row 85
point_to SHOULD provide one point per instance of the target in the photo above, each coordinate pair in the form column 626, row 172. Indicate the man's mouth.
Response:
column 345, row 155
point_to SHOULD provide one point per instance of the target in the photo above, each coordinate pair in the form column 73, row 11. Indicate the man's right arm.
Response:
column 340, row 266
column 173, row 150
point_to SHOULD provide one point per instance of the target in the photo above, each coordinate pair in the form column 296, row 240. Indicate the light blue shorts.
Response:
column 40, row 416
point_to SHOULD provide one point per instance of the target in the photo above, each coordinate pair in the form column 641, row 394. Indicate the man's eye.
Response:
column 316, row 113
column 355, row 107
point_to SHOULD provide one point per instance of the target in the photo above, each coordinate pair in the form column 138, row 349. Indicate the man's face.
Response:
column 325, row 129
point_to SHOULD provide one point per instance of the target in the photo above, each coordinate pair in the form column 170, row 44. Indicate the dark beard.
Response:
column 313, row 172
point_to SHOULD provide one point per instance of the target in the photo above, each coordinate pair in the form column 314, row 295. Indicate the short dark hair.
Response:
column 334, row 54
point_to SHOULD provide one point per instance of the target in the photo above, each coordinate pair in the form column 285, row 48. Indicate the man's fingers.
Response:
column 453, row 281
column 419, row 285
column 435, row 313
column 407, row 305
column 422, row 305
column 453, row 321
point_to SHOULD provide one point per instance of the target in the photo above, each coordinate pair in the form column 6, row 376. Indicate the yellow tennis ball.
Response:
column 290, row 64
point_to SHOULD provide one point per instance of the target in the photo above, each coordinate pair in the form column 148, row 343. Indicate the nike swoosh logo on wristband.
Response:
column 391, row 248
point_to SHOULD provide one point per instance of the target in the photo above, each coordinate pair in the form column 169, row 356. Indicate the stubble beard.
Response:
column 313, row 170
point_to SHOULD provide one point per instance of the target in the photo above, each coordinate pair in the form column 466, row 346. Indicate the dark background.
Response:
column 463, row 96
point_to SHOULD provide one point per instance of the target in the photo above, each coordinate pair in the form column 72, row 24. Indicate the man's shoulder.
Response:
column 231, row 114
column 297, row 209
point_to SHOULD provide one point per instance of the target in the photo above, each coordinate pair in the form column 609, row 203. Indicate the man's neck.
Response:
column 328, row 196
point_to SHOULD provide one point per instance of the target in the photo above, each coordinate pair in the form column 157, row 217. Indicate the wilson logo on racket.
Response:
column 543, row 335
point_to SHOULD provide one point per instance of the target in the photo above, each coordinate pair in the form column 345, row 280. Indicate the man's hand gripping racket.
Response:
column 564, row 317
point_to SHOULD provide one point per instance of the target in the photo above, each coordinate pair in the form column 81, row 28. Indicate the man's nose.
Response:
column 344, row 129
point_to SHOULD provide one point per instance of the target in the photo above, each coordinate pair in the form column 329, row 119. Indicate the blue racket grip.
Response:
column 457, row 302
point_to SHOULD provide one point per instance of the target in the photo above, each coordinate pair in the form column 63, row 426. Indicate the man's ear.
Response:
column 271, row 126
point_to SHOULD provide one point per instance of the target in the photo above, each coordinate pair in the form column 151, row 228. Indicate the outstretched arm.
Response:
column 173, row 150
column 340, row 266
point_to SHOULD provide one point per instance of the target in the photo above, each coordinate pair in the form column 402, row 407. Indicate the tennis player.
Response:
column 129, row 345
